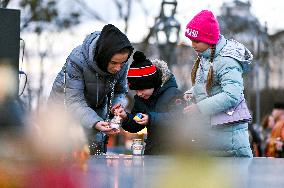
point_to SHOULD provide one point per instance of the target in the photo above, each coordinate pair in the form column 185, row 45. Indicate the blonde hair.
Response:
column 209, row 82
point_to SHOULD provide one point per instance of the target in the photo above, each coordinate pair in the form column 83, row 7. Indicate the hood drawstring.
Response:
column 97, row 85
column 112, row 84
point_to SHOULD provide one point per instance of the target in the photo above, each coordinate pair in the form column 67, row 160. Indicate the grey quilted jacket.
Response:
column 87, row 85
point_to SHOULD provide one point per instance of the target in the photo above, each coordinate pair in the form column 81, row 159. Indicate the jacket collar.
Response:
column 171, row 82
column 221, row 43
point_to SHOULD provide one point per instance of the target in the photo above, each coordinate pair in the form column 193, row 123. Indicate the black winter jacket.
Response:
column 162, row 111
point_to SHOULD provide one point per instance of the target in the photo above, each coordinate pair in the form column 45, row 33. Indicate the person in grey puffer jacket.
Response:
column 93, row 69
column 218, row 85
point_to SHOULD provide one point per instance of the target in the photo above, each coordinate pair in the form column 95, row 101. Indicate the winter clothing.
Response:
column 231, row 60
column 161, row 110
column 110, row 41
column 204, row 27
column 277, row 136
column 142, row 74
column 88, row 82
column 278, row 105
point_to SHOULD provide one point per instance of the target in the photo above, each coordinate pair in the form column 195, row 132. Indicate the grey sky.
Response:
column 266, row 11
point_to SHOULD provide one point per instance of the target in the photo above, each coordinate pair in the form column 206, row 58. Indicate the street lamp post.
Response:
column 166, row 31
column 261, row 53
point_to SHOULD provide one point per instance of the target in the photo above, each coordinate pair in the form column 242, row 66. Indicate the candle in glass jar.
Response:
column 137, row 147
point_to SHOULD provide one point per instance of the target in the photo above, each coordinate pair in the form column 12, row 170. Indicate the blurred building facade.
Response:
column 237, row 22
column 264, row 81
column 276, row 60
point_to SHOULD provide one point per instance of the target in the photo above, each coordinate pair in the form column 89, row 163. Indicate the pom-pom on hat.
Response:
column 142, row 74
column 204, row 27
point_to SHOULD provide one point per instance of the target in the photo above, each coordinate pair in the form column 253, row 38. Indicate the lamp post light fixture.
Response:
column 166, row 31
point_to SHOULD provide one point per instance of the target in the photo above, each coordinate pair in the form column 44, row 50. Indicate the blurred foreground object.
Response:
column 8, row 81
column 51, row 152
column 197, row 172
column 55, row 136
column 11, row 114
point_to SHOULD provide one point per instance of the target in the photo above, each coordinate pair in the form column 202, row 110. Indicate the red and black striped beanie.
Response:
column 142, row 74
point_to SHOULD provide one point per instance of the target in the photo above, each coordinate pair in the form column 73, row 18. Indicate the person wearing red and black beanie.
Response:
column 156, row 93
column 142, row 74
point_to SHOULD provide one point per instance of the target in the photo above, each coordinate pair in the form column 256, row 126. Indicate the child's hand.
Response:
column 119, row 111
column 144, row 120
column 193, row 108
column 188, row 97
column 116, row 106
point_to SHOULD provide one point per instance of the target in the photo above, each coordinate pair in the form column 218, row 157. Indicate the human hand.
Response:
column 113, row 131
column 144, row 120
column 120, row 111
column 187, row 96
column 278, row 144
column 193, row 108
column 116, row 106
column 105, row 128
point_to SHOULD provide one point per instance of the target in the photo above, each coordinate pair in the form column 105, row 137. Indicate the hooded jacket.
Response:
column 161, row 109
column 231, row 60
column 87, row 81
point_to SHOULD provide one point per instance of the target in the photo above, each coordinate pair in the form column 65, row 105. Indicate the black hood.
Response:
column 111, row 40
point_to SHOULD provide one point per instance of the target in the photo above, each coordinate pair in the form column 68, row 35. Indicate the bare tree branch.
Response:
column 90, row 11
column 119, row 7
column 146, row 12
column 125, row 16
column 26, row 23
column 4, row 3
column 145, row 41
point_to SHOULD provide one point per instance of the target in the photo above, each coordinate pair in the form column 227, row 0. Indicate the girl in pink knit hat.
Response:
column 217, row 92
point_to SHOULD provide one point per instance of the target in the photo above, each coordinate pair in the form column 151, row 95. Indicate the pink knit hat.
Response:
column 203, row 27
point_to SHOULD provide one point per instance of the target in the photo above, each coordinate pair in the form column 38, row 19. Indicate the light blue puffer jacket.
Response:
column 231, row 60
